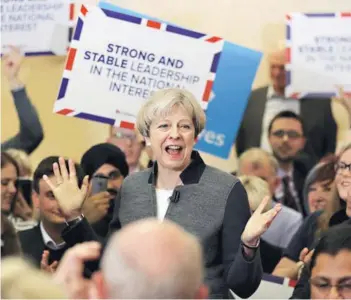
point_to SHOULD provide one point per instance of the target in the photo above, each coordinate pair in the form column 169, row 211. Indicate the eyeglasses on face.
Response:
column 324, row 286
column 291, row 134
column 341, row 166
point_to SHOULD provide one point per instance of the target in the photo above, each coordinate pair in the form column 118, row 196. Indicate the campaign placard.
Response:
column 319, row 53
column 36, row 27
column 113, row 68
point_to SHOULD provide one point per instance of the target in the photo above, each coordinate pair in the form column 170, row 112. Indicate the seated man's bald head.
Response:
column 150, row 259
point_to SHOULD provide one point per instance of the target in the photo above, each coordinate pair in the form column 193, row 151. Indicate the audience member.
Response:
column 154, row 261
column 287, row 137
column 328, row 274
column 319, row 187
column 9, row 176
column 106, row 166
column 31, row 131
column 331, row 266
column 319, row 221
column 20, row 280
column 257, row 189
column 23, row 207
column 10, row 245
column 9, row 193
column 209, row 203
column 343, row 184
column 260, row 163
column 43, row 243
column 131, row 143
column 266, row 102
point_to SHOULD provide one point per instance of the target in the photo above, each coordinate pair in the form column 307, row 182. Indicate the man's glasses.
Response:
column 341, row 166
column 323, row 286
column 291, row 134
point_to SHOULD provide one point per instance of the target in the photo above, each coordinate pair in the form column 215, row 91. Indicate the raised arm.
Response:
column 30, row 134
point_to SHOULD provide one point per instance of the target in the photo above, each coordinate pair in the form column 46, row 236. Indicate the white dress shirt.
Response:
column 162, row 198
column 274, row 105
column 48, row 241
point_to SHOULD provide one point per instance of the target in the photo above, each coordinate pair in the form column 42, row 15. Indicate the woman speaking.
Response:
column 205, row 201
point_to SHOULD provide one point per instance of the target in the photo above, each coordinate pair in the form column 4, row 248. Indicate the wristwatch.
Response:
column 74, row 221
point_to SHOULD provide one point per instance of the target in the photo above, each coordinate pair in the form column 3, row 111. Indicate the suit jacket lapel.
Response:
column 34, row 245
column 299, row 182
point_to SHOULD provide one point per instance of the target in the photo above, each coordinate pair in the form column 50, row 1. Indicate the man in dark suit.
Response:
column 264, row 103
column 43, row 244
column 108, row 163
column 287, row 138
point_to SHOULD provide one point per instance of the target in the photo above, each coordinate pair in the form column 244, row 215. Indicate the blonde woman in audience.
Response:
column 9, row 191
column 207, row 202
column 20, row 280
column 257, row 189
column 22, row 215
column 23, row 212
column 318, row 222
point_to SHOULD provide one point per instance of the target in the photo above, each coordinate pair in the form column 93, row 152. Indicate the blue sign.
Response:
column 235, row 74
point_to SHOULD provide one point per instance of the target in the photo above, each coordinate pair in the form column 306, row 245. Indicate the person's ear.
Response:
column 35, row 199
column 99, row 290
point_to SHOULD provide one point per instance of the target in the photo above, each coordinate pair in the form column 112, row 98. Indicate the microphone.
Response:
column 175, row 197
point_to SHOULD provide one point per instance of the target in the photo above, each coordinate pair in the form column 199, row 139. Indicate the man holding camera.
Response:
column 106, row 166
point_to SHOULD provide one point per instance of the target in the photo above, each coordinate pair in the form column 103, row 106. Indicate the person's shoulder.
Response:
column 259, row 90
column 28, row 234
column 312, row 219
column 256, row 94
column 339, row 217
column 320, row 102
column 220, row 176
column 140, row 176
